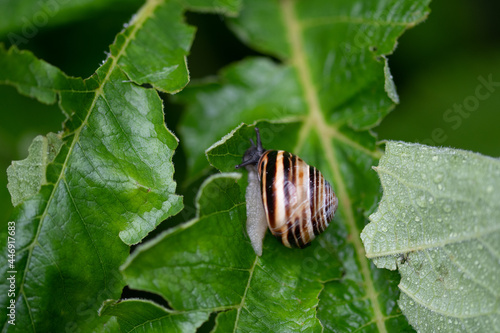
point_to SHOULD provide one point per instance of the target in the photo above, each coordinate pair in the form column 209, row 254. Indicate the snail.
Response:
column 287, row 195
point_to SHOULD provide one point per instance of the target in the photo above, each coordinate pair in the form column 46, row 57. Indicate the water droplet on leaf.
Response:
column 438, row 178
column 421, row 201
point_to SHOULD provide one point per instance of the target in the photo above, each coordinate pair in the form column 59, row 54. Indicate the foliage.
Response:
column 438, row 224
column 110, row 183
column 86, row 194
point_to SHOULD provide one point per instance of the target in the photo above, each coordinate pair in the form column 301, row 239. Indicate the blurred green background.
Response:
column 436, row 67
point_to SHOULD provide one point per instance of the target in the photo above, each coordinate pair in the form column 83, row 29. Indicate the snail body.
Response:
column 287, row 195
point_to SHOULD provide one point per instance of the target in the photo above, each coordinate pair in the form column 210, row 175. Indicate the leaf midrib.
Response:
column 242, row 304
column 316, row 118
column 455, row 197
column 439, row 244
column 145, row 12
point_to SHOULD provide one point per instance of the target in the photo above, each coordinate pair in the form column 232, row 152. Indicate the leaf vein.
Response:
column 96, row 249
column 252, row 269
column 439, row 311
column 442, row 243
column 468, row 273
column 316, row 117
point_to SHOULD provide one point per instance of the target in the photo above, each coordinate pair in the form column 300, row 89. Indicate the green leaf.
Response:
column 27, row 176
column 438, row 224
column 39, row 80
column 209, row 265
column 135, row 314
column 68, row 249
column 332, row 87
column 165, row 66
column 111, row 182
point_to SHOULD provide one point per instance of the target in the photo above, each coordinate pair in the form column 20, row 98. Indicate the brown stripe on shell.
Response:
column 306, row 229
column 321, row 201
column 298, row 202
column 290, row 235
column 312, row 206
column 267, row 197
column 299, row 239
column 288, row 175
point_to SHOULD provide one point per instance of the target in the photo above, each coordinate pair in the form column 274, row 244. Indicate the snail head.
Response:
column 253, row 154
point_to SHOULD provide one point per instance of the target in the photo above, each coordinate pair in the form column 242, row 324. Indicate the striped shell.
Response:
column 298, row 202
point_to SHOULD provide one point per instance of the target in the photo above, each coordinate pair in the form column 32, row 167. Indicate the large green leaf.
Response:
column 332, row 87
column 110, row 177
column 209, row 265
column 438, row 223
column 108, row 183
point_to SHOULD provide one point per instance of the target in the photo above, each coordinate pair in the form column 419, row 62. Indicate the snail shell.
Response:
column 293, row 199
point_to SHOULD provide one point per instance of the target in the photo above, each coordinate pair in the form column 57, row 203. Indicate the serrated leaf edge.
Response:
column 144, row 13
column 149, row 244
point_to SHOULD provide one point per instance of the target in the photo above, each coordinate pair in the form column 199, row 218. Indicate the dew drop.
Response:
column 447, row 208
column 438, row 178
column 440, row 219
column 435, row 158
column 440, row 187
column 489, row 189
column 417, row 219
